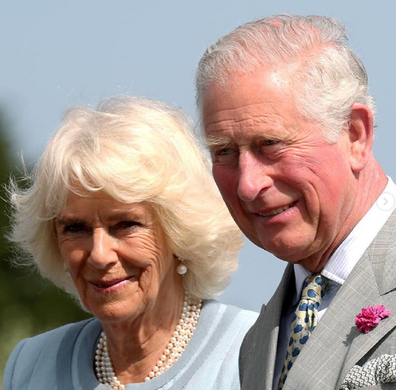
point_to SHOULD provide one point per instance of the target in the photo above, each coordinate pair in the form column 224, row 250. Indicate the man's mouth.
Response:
column 276, row 211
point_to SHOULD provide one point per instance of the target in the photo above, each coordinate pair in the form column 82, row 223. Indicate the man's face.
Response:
column 289, row 191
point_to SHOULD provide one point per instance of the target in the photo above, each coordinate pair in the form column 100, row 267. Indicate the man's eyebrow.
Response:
column 212, row 141
column 216, row 141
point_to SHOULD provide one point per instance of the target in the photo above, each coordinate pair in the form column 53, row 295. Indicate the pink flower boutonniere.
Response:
column 370, row 317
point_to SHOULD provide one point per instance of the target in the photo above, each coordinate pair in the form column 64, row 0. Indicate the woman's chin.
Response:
column 114, row 302
column 116, row 313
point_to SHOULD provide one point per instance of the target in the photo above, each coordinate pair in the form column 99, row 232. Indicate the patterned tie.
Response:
column 304, row 321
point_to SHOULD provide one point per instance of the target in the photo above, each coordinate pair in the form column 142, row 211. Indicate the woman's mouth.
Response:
column 110, row 285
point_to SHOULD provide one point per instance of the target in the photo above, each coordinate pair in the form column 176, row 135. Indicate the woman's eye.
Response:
column 74, row 228
column 127, row 224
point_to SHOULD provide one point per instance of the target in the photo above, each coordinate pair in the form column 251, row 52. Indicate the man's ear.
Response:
column 361, row 136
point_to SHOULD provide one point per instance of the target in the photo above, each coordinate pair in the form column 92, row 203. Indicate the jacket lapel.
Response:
column 260, row 345
column 336, row 344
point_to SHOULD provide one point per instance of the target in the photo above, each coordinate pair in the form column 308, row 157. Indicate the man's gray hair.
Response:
column 328, row 76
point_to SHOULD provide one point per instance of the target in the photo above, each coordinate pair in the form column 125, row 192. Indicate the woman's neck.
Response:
column 136, row 346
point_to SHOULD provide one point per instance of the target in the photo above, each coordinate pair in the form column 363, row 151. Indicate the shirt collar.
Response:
column 345, row 257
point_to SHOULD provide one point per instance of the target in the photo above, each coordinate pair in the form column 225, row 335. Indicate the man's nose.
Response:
column 103, row 252
column 253, row 176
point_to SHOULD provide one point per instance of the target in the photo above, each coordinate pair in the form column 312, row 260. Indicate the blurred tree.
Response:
column 28, row 304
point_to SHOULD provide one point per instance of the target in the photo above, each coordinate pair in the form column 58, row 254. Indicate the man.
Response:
column 289, row 123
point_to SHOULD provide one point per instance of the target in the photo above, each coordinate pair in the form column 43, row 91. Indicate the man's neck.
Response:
column 370, row 183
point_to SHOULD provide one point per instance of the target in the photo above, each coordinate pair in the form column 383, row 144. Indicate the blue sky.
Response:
column 57, row 53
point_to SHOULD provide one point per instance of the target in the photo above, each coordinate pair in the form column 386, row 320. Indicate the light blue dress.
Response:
column 63, row 359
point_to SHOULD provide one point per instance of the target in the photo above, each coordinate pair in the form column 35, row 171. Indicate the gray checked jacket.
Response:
column 336, row 345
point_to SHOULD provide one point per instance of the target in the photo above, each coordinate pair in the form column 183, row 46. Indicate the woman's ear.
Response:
column 361, row 136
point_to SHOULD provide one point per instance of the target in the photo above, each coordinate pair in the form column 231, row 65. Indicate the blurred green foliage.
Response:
column 29, row 305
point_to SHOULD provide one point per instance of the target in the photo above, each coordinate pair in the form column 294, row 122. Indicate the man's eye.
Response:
column 270, row 142
column 224, row 152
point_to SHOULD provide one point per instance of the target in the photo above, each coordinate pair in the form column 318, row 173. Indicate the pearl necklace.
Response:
column 174, row 349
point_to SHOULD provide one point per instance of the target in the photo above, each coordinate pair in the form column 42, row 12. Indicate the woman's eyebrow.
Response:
column 66, row 220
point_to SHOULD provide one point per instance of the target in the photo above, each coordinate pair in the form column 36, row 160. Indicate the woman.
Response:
column 123, row 214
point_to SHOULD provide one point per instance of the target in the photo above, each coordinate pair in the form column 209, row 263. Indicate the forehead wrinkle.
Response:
column 243, row 113
column 271, row 116
column 245, row 130
column 114, row 210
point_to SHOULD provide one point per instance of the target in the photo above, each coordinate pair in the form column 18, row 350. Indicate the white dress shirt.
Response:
column 339, row 265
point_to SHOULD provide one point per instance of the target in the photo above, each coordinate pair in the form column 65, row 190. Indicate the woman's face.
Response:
column 117, row 255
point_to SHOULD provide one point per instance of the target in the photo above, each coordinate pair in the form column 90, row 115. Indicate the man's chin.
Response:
column 294, row 254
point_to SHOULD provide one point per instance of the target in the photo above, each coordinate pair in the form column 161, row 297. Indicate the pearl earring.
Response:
column 181, row 269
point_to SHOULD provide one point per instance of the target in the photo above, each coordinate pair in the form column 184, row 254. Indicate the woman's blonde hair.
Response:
column 135, row 150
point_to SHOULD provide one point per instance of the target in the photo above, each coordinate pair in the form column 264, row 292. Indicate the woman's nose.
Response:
column 103, row 252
